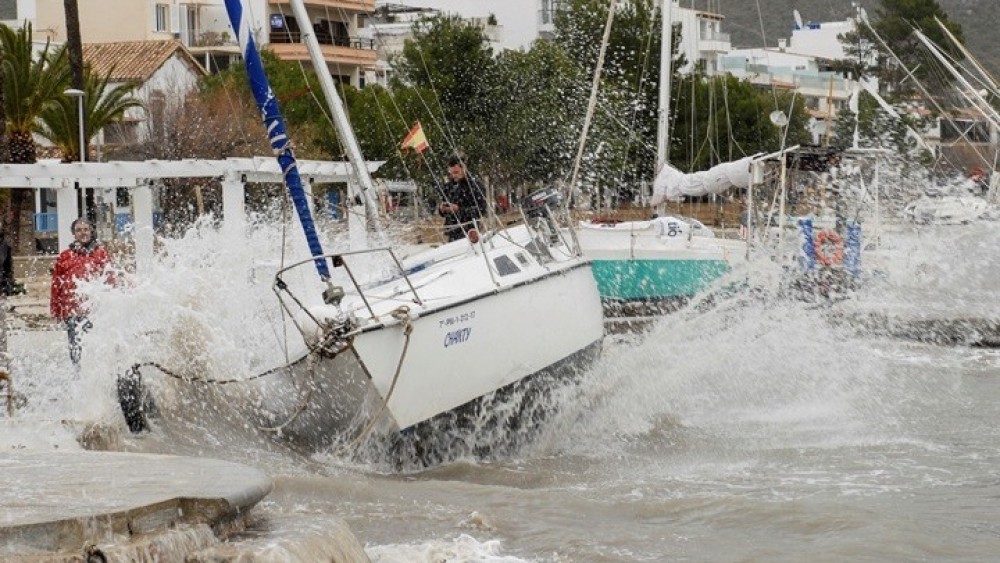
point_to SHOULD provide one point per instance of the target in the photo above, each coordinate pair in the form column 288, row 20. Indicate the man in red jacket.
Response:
column 84, row 260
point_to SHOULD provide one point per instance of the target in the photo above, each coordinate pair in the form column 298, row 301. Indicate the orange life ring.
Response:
column 819, row 245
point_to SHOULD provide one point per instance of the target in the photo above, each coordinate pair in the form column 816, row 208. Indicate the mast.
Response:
column 988, row 80
column 340, row 119
column 267, row 103
column 592, row 103
column 666, row 77
column 972, row 95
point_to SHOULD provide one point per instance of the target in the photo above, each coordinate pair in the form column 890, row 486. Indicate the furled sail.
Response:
column 672, row 184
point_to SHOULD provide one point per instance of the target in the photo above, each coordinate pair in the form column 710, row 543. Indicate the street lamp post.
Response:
column 79, row 95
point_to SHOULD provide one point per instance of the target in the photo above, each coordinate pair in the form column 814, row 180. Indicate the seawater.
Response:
column 743, row 428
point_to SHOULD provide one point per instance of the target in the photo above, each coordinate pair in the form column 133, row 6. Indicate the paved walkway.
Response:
column 54, row 502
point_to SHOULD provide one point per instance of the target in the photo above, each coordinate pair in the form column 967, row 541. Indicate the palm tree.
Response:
column 74, row 42
column 30, row 85
column 74, row 48
column 102, row 106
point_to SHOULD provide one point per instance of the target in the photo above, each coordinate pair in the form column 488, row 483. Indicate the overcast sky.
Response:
column 519, row 18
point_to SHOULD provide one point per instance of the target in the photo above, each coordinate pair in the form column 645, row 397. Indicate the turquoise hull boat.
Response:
column 664, row 259
column 653, row 279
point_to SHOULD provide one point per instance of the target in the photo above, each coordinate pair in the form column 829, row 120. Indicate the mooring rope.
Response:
column 402, row 314
column 303, row 403
column 193, row 379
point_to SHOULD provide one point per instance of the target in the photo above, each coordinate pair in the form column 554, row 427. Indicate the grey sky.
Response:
column 519, row 18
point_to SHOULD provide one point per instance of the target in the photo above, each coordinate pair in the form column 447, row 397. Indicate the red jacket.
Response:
column 73, row 264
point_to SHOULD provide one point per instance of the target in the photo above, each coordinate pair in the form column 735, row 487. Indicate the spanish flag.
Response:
column 415, row 139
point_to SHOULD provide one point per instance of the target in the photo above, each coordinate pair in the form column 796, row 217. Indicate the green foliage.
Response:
column 730, row 119
column 895, row 21
column 543, row 99
column 31, row 85
column 453, row 59
column 102, row 106
column 299, row 96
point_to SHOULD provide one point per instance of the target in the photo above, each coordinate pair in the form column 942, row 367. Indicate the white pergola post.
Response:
column 307, row 186
column 234, row 216
column 67, row 212
column 142, row 217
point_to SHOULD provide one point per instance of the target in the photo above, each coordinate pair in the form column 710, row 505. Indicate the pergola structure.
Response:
column 140, row 176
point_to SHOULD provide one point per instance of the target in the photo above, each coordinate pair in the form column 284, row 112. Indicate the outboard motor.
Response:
column 538, row 201
column 538, row 209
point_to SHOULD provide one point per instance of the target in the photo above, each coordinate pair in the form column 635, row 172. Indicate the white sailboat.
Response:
column 666, row 258
column 438, row 333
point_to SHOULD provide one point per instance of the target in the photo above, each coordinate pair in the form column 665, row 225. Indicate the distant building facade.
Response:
column 391, row 25
column 203, row 27
column 701, row 42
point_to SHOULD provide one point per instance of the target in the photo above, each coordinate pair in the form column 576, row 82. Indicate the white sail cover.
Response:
column 672, row 184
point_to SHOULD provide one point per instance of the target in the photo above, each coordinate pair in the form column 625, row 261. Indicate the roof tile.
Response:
column 130, row 60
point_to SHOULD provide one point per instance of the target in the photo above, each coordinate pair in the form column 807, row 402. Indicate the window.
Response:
column 162, row 17
column 8, row 9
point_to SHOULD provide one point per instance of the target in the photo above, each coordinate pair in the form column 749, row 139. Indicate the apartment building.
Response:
column 391, row 26
column 202, row 26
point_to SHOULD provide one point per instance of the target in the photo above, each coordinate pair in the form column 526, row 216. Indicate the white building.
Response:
column 392, row 25
column 702, row 39
column 802, row 64
column 819, row 39
column 203, row 27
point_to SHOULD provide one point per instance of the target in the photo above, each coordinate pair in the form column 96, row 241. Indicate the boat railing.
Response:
column 333, row 293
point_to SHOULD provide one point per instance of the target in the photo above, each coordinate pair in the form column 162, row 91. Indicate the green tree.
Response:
column 299, row 95
column 103, row 106
column 895, row 21
column 876, row 129
column 625, row 127
column 31, row 83
column 453, row 60
column 543, row 95
column 721, row 119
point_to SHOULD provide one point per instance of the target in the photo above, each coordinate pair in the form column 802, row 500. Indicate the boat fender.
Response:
column 132, row 398
column 93, row 554
column 819, row 245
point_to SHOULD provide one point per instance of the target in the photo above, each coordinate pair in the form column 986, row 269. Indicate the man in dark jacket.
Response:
column 463, row 203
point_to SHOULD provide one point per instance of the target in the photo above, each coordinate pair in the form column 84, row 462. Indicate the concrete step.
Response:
column 56, row 505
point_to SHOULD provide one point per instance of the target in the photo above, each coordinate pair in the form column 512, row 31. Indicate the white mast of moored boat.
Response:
column 666, row 77
column 340, row 120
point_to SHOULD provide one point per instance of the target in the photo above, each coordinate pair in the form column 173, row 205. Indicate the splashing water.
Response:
column 744, row 420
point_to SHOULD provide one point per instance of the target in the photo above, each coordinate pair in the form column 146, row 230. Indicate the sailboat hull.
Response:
column 453, row 356
column 644, row 279
column 636, row 261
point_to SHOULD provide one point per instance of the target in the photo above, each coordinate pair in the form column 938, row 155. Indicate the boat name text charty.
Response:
column 459, row 335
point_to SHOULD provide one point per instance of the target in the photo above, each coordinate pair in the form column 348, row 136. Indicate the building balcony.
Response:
column 198, row 38
column 714, row 36
column 323, row 38
column 358, row 6
column 347, row 51
column 710, row 42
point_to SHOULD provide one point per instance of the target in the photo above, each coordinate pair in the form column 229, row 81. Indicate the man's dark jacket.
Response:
column 468, row 196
